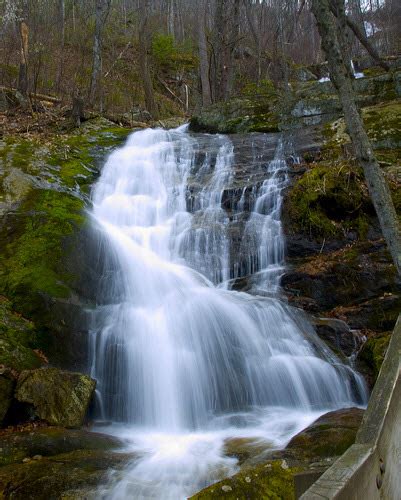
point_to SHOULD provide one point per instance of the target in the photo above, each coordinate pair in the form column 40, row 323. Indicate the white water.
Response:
column 183, row 365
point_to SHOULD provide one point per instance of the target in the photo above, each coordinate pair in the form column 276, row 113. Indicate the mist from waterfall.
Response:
column 182, row 362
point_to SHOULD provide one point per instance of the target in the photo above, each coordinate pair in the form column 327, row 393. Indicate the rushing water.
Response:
column 183, row 363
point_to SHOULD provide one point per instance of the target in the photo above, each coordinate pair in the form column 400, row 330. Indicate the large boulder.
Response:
column 59, row 397
column 329, row 436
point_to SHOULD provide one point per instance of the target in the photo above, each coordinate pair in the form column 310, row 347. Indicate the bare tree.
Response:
column 144, row 48
column 101, row 12
column 379, row 191
column 226, row 30
column 203, row 54
column 24, row 47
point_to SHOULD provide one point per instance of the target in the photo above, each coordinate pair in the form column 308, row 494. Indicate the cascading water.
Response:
column 181, row 363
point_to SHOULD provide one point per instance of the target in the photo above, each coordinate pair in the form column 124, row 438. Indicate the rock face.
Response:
column 59, row 397
column 313, row 103
column 6, row 394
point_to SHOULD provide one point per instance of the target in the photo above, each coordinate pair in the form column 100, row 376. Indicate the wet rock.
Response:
column 46, row 442
column 329, row 436
column 246, row 448
column 59, row 397
column 338, row 335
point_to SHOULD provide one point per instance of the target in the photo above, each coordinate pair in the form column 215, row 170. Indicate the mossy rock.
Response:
column 18, row 337
column 329, row 200
column 59, row 397
column 50, row 477
column 382, row 124
column 271, row 480
column 44, row 190
column 374, row 351
column 244, row 449
column 331, row 435
column 239, row 115
column 50, row 441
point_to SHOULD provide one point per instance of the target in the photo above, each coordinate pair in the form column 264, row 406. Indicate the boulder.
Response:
column 80, row 472
column 329, row 436
column 59, row 397
column 51, row 441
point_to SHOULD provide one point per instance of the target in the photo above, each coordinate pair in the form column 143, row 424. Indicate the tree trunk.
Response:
column 144, row 47
column 62, row 45
column 378, row 188
column 203, row 55
column 24, row 46
column 226, row 25
column 102, row 11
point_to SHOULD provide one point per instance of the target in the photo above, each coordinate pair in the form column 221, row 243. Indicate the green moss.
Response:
column 37, row 234
column 328, row 200
column 31, row 260
column 273, row 480
column 383, row 124
column 256, row 113
column 374, row 351
column 18, row 337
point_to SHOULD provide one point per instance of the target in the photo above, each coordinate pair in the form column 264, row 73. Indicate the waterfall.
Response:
column 182, row 362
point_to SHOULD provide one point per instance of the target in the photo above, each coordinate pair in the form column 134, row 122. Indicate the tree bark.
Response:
column 378, row 188
column 102, row 11
column 62, row 45
column 144, row 47
column 226, row 26
column 203, row 55
column 24, row 47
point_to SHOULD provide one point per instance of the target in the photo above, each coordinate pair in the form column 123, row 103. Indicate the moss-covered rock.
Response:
column 50, row 477
column 244, row 449
column 243, row 114
column 374, row 351
column 44, row 187
column 18, row 337
column 331, row 435
column 59, row 397
column 272, row 480
column 50, row 441
column 330, row 199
